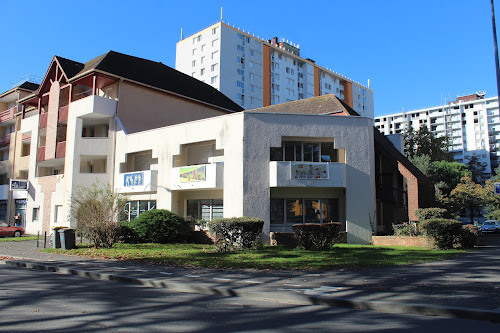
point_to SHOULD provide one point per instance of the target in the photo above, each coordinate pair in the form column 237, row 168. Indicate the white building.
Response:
column 472, row 124
column 254, row 72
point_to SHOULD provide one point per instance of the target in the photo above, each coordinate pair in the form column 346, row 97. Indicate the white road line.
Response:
column 141, row 270
column 193, row 276
column 291, row 285
column 222, row 279
column 251, row 281
column 120, row 267
column 166, row 273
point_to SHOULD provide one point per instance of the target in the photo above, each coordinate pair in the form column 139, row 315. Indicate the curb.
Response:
column 280, row 297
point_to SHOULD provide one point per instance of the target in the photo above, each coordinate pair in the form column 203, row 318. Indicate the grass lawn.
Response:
column 267, row 257
column 17, row 239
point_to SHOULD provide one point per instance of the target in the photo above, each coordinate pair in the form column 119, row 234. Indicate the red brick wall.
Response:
column 401, row 241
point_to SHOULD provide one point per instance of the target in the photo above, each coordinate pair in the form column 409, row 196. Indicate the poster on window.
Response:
column 192, row 174
column 309, row 170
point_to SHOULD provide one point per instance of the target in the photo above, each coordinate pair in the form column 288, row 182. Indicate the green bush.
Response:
column 316, row 235
column 160, row 226
column 126, row 234
column 407, row 229
column 446, row 233
column 423, row 214
column 236, row 233
column 469, row 236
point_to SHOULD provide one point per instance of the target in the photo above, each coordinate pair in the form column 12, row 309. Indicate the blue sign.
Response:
column 497, row 188
column 133, row 179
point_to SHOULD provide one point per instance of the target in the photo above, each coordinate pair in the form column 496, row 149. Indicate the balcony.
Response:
column 307, row 174
column 139, row 181
column 7, row 114
column 63, row 114
column 94, row 107
column 61, row 149
column 42, row 123
column 40, row 154
column 4, row 141
column 195, row 177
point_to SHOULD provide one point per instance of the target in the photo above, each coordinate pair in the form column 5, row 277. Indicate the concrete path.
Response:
column 467, row 286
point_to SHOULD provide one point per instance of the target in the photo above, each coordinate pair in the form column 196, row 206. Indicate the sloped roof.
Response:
column 70, row 67
column 26, row 85
column 326, row 104
column 158, row 75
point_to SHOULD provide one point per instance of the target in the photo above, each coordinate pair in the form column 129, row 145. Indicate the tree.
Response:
column 446, row 175
column 424, row 142
column 476, row 168
column 97, row 210
column 423, row 163
column 492, row 200
column 468, row 195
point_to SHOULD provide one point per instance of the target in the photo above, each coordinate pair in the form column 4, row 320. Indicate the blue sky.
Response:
column 415, row 53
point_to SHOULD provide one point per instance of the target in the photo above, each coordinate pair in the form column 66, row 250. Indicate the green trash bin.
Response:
column 68, row 238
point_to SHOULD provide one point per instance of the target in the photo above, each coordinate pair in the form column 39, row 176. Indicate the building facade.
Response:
column 254, row 72
column 471, row 123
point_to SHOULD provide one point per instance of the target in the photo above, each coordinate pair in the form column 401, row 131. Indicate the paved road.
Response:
column 470, row 281
column 34, row 301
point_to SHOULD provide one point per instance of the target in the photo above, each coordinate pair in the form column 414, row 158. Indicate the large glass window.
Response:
column 135, row 208
column 293, row 211
column 205, row 209
column 298, row 151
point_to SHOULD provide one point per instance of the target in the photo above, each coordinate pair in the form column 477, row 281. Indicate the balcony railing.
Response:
column 202, row 176
column 307, row 174
column 40, row 154
column 63, row 114
column 43, row 120
column 61, row 149
column 5, row 141
column 7, row 114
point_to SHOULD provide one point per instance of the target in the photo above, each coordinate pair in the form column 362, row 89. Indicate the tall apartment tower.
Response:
column 472, row 124
column 254, row 72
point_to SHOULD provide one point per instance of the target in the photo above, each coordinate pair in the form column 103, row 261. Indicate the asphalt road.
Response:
column 34, row 301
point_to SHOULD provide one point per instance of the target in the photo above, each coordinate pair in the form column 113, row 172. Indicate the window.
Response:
column 277, row 87
column 289, row 71
column 202, row 71
column 292, row 211
column 214, row 67
column 193, row 63
column 215, row 42
column 215, row 54
column 193, row 74
column 240, row 84
column 240, row 48
column 135, row 208
column 240, row 36
column 213, row 79
column 197, row 39
column 247, row 39
column 202, row 60
column 276, row 65
column 252, row 88
column 58, row 214
column 280, row 55
column 252, row 52
column 240, row 71
column 303, row 151
column 205, row 209
column 214, row 31
column 241, row 60
column 277, row 76
column 194, row 51
column 251, row 100
column 328, row 86
column 251, row 76
column 251, row 64
column 36, row 214
column 203, row 47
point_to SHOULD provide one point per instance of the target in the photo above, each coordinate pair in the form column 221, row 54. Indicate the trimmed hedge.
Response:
column 160, row 226
column 469, row 236
column 445, row 232
column 236, row 233
column 316, row 235
column 423, row 214
column 125, row 234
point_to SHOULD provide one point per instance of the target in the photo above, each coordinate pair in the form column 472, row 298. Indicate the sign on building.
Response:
column 192, row 174
column 309, row 170
column 18, row 185
column 133, row 179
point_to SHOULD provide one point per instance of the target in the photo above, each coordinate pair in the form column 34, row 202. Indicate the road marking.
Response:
column 222, row 279
column 193, row 276
column 120, row 267
column 141, row 270
column 166, row 273
column 251, row 281
column 291, row 285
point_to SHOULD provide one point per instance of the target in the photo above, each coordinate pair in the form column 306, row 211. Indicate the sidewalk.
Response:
column 467, row 286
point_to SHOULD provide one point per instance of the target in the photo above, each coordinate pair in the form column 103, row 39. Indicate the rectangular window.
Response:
column 214, row 67
column 251, row 76
column 36, row 213
column 58, row 214
column 240, row 84
column 214, row 31
column 205, row 209
column 277, row 211
column 251, row 64
column 203, row 47
column 215, row 42
column 277, row 76
column 252, row 88
column 252, row 52
column 202, row 60
column 240, row 71
column 293, row 211
column 240, row 48
column 251, row 100
column 213, row 79
column 194, row 51
column 193, row 63
column 202, row 71
column 135, row 208
column 215, row 55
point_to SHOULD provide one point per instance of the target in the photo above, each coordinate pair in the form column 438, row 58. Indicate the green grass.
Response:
column 17, row 239
column 267, row 257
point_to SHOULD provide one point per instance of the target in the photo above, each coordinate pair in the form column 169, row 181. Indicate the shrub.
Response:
column 96, row 209
column 469, row 236
column 125, row 234
column 160, row 226
column 316, row 235
column 423, row 214
column 236, row 232
column 445, row 232
column 407, row 229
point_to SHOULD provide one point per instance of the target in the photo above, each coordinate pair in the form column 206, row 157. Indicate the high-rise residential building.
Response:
column 254, row 72
column 472, row 124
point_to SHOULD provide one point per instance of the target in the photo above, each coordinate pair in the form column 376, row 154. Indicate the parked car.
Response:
column 7, row 230
column 490, row 226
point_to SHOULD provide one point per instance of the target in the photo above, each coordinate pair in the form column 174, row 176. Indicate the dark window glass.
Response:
column 308, row 152
column 289, row 151
column 217, row 209
column 298, row 151
column 315, row 152
column 205, row 209
column 327, row 152
column 192, row 209
column 276, row 154
column 294, row 211
column 277, row 211
column 313, row 211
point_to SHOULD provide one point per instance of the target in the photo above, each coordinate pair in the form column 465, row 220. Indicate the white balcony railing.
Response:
column 203, row 176
column 138, row 181
column 307, row 174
